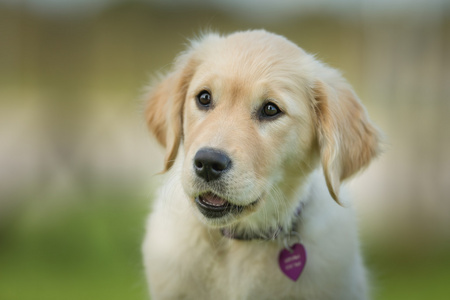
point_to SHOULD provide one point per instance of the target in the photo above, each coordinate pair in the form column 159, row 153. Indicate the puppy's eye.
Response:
column 204, row 99
column 270, row 110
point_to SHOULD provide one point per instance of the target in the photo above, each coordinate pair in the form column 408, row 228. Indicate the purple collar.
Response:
column 270, row 235
column 267, row 236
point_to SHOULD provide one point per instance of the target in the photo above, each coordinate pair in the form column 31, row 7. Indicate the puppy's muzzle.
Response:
column 210, row 164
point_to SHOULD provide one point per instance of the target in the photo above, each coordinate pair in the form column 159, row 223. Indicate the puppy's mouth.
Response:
column 213, row 206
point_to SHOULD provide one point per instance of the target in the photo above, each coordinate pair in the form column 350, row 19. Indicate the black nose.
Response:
column 210, row 164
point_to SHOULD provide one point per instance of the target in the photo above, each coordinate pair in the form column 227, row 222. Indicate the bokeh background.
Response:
column 77, row 166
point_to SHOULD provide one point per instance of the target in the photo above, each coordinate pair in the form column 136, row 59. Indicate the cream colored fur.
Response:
column 300, row 158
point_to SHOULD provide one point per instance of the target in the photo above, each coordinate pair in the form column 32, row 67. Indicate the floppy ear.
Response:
column 164, row 109
column 347, row 139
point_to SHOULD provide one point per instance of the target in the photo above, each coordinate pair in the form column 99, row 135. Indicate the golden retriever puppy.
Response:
column 259, row 136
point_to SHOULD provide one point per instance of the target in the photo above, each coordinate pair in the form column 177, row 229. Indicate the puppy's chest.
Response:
column 242, row 270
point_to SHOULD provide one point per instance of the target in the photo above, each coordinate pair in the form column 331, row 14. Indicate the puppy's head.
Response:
column 255, row 115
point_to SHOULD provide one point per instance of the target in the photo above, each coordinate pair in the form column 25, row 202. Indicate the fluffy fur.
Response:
column 296, row 160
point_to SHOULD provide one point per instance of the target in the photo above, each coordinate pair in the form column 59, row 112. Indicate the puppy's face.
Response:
column 246, row 129
column 254, row 119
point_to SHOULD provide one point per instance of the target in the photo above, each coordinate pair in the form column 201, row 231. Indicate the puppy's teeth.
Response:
column 213, row 200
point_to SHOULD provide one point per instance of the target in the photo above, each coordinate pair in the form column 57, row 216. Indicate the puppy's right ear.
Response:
column 164, row 108
column 347, row 139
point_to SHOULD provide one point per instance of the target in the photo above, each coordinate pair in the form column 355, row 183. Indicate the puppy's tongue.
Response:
column 214, row 200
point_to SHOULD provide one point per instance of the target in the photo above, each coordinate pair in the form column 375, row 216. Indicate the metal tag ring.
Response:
column 287, row 240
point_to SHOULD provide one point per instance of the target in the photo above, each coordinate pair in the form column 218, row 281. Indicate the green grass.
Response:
column 421, row 282
column 413, row 275
column 87, row 250
column 31, row 280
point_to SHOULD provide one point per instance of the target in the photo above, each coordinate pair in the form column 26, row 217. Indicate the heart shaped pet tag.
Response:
column 292, row 262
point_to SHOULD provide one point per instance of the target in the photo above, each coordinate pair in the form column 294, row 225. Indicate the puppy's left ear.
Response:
column 164, row 108
column 347, row 139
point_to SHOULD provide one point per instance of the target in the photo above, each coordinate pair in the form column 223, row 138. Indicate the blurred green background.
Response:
column 77, row 166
